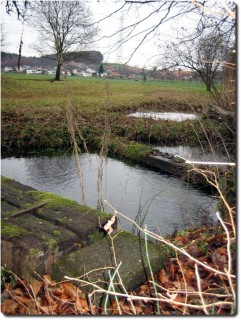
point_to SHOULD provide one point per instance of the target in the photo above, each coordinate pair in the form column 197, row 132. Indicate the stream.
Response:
column 163, row 203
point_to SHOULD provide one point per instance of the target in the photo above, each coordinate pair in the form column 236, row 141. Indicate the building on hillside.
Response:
column 8, row 69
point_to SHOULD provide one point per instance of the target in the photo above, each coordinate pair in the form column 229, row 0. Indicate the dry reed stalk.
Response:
column 73, row 128
column 104, row 144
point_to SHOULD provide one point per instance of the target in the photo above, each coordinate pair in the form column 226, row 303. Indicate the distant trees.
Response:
column 64, row 27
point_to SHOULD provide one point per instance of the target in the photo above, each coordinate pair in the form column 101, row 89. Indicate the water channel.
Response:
column 165, row 203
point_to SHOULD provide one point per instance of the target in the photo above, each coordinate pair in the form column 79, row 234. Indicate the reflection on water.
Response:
column 191, row 153
column 168, row 203
column 173, row 116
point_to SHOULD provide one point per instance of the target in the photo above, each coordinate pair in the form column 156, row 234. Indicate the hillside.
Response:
column 88, row 58
column 123, row 70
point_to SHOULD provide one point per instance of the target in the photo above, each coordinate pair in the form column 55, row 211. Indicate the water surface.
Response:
column 173, row 116
column 166, row 203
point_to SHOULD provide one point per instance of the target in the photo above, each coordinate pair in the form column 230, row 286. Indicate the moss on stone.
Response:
column 136, row 150
column 33, row 252
column 58, row 201
column 57, row 232
column 96, row 236
column 53, row 199
column 12, row 230
column 5, row 179
column 51, row 243
column 98, row 213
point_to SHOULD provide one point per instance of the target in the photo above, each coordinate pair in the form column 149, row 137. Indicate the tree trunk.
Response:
column 57, row 75
column 208, row 86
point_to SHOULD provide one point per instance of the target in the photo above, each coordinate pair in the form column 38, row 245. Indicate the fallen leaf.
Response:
column 143, row 289
column 82, row 306
column 47, row 280
column 9, row 307
column 33, row 308
column 69, row 289
column 36, row 285
column 23, row 300
column 189, row 275
column 58, row 292
column 172, row 270
column 45, row 310
column 163, row 278
column 181, row 240
column 195, row 251
column 222, row 251
column 18, row 292
column 219, row 259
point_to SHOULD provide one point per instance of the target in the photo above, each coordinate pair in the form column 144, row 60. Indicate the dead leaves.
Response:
column 10, row 307
column 45, row 297
column 177, row 283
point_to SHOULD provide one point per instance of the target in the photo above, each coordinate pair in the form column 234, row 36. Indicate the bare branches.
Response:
column 151, row 15
column 63, row 26
column 17, row 6
column 227, row 10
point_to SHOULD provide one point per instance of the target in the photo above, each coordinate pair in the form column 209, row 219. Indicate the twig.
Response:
column 161, row 239
column 152, row 276
column 229, row 254
column 185, row 282
column 200, row 289
column 14, row 297
column 28, row 210
column 129, row 297
column 187, row 291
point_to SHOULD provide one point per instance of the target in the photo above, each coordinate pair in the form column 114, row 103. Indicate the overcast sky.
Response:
column 145, row 56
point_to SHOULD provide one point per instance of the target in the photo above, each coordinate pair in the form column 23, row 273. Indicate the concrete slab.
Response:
column 98, row 258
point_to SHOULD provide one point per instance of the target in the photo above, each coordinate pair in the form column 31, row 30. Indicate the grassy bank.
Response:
column 34, row 113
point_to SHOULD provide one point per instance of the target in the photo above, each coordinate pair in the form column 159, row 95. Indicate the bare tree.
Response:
column 204, row 55
column 64, row 28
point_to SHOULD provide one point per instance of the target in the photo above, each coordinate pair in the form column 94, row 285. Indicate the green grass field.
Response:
column 38, row 91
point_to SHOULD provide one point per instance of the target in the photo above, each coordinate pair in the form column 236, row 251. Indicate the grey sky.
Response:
column 145, row 56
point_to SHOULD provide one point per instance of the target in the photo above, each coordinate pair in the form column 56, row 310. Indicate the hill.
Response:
column 88, row 58
column 123, row 70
